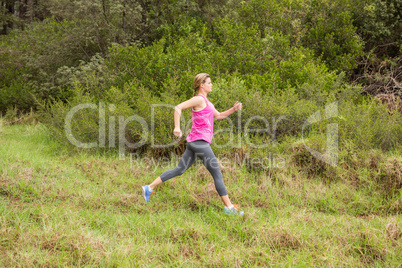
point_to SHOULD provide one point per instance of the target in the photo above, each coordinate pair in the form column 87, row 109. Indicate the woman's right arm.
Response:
column 193, row 102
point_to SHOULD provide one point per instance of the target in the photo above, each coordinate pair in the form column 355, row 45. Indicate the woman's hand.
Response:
column 177, row 132
column 237, row 106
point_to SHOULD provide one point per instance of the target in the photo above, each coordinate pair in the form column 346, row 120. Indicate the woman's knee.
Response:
column 212, row 164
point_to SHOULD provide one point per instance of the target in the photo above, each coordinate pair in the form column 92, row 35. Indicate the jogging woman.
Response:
column 199, row 140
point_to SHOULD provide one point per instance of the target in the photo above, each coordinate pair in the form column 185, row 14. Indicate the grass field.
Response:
column 60, row 207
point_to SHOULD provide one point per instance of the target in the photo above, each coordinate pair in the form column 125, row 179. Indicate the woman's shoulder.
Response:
column 200, row 99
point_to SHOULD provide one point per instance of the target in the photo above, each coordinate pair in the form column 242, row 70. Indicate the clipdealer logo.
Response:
column 330, row 156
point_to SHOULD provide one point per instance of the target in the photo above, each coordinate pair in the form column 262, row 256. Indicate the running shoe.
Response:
column 233, row 211
column 146, row 192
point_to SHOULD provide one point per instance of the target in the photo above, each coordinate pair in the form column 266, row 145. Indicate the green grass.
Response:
column 63, row 207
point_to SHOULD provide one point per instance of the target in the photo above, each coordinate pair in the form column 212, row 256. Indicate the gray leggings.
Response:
column 203, row 150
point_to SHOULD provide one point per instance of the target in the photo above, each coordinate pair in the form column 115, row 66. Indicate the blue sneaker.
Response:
column 146, row 192
column 233, row 211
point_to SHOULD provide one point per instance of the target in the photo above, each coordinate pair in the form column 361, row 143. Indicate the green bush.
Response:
column 325, row 27
column 151, row 65
column 270, row 64
column 34, row 56
column 370, row 125
column 16, row 95
column 365, row 123
column 379, row 22
column 116, row 116
column 332, row 35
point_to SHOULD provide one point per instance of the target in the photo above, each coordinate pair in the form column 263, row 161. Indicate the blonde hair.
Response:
column 198, row 80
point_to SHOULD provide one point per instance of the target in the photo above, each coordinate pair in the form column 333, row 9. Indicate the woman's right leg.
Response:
column 185, row 163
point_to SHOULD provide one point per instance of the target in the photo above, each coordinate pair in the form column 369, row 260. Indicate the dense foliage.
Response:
column 280, row 58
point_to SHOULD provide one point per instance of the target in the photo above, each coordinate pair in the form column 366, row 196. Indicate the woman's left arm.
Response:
column 237, row 106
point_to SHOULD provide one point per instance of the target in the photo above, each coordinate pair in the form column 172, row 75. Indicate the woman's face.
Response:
column 207, row 86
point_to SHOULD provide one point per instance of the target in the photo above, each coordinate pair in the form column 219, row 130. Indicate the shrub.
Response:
column 325, row 27
column 16, row 95
column 379, row 22
column 370, row 125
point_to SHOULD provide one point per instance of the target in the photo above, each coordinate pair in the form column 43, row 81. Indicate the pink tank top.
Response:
column 203, row 123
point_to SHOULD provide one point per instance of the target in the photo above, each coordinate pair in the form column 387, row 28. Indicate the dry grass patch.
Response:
column 390, row 176
column 393, row 232
column 306, row 163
